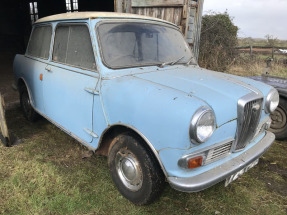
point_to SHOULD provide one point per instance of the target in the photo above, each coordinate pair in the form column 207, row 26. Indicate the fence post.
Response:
column 251, row 50
column 272, row 52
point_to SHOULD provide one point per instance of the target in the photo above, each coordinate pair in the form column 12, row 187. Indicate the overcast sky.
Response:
column 255, row 18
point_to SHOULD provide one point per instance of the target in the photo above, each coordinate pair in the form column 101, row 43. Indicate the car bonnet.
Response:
column 218, row 90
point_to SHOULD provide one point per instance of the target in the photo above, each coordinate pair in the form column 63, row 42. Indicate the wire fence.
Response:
column 276, row 54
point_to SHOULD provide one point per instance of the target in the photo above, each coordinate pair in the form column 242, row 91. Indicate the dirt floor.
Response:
column 7, row 79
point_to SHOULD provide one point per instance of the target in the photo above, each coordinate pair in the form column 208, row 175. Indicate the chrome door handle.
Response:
column 48, row 69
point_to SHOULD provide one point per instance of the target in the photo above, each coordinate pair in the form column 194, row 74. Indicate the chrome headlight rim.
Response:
column 194, row 123
column 272, row 93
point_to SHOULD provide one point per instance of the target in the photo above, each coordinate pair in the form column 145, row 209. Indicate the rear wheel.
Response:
column 279, row 120
column 26, row 106
column 5, row 141
column 134, row 170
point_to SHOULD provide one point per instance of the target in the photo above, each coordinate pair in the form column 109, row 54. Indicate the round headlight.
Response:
column 272, row 101
column 202, row 125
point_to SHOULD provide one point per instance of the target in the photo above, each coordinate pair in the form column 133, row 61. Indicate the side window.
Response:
column 39, row 45
column 73, row 46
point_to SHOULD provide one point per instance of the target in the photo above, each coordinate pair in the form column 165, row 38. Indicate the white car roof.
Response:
column 95, row 15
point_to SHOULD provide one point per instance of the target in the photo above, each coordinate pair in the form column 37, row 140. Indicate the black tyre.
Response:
column 5, row 141
column 26, row 106
column 134, row 170
column 279, row 120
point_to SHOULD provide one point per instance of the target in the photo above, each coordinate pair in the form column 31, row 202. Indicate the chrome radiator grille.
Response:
column 218, row 152
column 249, row 112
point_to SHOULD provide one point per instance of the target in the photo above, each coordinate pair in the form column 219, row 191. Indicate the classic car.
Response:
column 128, row 87
column 279, row 116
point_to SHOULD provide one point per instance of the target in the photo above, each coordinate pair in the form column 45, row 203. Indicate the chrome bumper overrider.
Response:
column 219, row 173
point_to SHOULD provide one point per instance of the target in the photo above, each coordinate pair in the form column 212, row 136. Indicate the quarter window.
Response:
column 39, row 45
column 73, row 46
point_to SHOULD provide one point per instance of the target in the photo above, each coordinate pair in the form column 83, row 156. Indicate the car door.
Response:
column 70, row 81
column 35, row 62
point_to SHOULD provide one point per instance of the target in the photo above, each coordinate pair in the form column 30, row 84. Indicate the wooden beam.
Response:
column 157, row 3
column 3, row 126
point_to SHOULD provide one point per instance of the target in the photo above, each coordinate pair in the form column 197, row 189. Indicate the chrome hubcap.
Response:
column 129, row 170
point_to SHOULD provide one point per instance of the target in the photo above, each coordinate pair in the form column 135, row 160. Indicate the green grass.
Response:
column 47, row 175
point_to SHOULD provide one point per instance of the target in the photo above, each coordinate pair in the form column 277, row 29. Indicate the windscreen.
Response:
column 141, row 44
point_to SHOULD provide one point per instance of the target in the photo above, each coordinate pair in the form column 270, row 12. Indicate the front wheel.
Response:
column 134, row 170
column 279, row 120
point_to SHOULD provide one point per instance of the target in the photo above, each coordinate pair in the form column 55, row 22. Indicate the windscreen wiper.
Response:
column 190, row 59
column 171, row 62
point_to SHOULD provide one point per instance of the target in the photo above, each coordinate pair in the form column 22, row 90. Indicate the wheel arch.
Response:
column 21, row 82
column 282, row 96
column 114, row 130
column 282, row 93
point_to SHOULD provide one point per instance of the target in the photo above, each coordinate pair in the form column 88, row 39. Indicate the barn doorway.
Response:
column 18, row 16
column 16, row 19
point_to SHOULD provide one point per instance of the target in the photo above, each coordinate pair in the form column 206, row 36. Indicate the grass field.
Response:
column 252, row 68
column 260, row 42
column 47, row 174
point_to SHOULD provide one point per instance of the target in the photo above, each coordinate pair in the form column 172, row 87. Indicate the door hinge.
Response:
column 93, row 134
column 92, row 91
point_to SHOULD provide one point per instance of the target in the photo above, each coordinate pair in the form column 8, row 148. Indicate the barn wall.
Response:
column 14, row 25
column 184, row 13
column 194, row 25
column 174, row 11
column 50, row 7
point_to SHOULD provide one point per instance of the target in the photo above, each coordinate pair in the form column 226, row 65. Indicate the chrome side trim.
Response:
column 219, row 173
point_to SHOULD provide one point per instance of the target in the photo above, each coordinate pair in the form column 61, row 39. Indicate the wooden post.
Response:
column 251, row 51
column 272, row 52
column 4, row 134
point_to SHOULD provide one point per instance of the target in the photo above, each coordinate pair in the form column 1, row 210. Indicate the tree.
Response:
column 271, row 40
column 218, row 41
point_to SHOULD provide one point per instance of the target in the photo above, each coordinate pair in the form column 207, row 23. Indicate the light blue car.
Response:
column 127, row 86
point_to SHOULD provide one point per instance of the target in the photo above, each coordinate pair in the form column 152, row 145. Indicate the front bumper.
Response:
column 219, row 173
